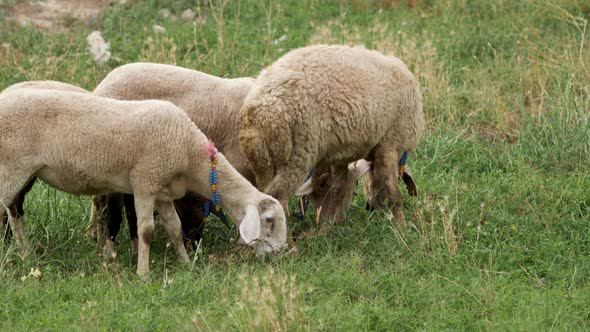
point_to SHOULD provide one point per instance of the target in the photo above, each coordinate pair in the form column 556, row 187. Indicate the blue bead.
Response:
column 404, row 158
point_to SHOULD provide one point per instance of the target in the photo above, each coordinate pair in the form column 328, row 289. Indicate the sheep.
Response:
column 321, row 107
column 51, row 85
column 106, row 212
column 213, row 104
column 84, row 144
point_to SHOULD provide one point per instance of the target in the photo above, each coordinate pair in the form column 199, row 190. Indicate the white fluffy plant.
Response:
column 99, row 48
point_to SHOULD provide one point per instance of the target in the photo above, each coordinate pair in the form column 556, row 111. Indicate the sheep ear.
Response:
column 305, row 188
column 359, row 168
column 250, row 225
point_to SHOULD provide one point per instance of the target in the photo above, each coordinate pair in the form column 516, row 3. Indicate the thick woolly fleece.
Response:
column 323, row 106
column 84, row 144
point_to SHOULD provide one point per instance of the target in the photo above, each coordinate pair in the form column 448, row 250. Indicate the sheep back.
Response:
column 45, row 85
column 83, row 144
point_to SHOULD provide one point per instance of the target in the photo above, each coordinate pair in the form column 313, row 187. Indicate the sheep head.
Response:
column 256, row 152
column 264, row 226
column 332, row 189
column 265, row 138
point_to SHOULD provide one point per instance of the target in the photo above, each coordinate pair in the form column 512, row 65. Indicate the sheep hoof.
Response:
column 183, row 259
column 108, row 252
column 144, row 276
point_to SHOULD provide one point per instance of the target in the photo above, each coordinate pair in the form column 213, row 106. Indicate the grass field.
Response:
column 498, row 238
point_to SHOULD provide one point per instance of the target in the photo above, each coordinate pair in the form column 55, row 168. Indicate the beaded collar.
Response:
column 213, row 181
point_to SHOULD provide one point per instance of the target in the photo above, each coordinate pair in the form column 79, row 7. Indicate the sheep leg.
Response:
column 144, row 205
column 112, row 223
column 12, row 200
column 172, row 222
column 385, row 182
column 131, row 217
column 6, row 232
column 19, row 203
column 17, row 226
column 368, row 180
column 191, row 214
column 345, row 192
column 96, row 217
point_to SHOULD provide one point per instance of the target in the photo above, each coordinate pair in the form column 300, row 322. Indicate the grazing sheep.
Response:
column 213, row 104
column 84, row 144
column 326, row 106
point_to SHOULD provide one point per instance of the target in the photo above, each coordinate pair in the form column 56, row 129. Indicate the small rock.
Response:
column 99, row 48
column 188, row 15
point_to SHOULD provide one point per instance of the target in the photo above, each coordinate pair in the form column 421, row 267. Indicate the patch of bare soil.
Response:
column 57, row 16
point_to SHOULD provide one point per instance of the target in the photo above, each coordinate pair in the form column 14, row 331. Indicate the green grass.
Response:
column 498, row 238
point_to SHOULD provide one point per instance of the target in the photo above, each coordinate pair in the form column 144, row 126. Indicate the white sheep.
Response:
column 84, row 144
column 211, row 102
column 323, row 106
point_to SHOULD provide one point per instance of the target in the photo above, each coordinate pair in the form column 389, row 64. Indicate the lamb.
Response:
column 322, row 107
column 148, row 148
column 213, row 104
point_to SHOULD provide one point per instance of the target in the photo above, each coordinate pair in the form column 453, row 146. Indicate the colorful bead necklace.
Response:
column 213, row 180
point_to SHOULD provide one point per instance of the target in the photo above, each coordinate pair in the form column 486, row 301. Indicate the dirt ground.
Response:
column 57, row 16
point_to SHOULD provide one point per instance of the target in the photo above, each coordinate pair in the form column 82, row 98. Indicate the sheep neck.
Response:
column 234, row 191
